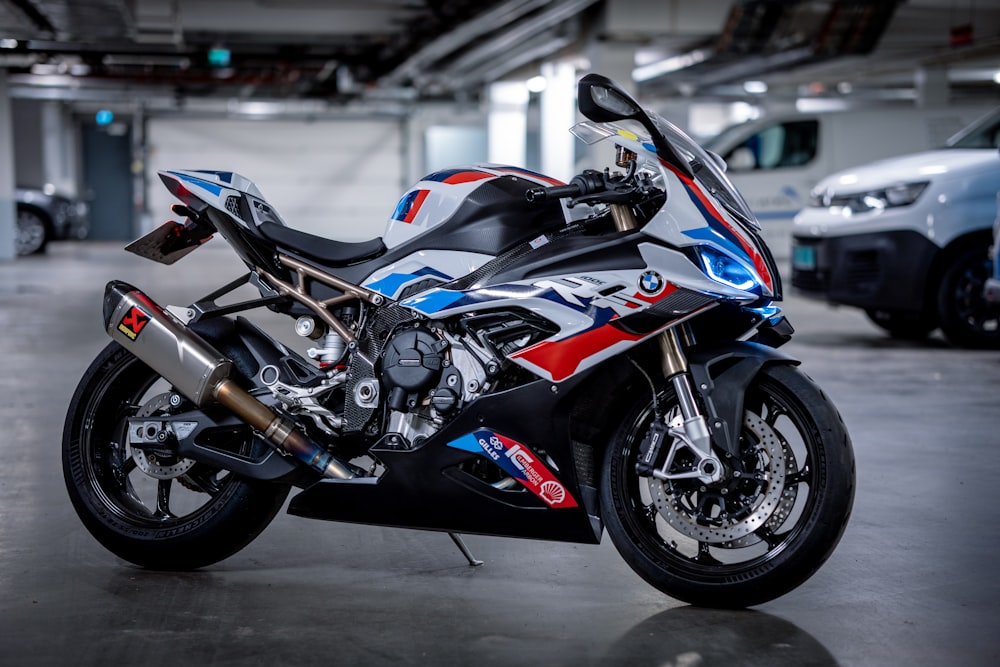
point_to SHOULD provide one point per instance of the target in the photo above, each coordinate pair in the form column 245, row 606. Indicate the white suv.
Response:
column 907, row 239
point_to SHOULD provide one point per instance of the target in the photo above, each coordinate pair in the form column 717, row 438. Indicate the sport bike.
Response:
column 514, row 356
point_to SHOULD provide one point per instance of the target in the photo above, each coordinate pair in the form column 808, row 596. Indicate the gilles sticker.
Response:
column 651, row 282
column 133, row 323
column 520, row 463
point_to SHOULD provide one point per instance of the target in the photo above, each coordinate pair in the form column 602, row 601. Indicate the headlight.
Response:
column 902, row 194
column 726, row 270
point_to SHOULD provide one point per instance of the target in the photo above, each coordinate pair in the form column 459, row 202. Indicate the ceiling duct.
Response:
column 766, row 36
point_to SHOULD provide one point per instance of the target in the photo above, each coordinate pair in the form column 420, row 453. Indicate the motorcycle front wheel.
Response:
column 765, row 528
column 151, row 509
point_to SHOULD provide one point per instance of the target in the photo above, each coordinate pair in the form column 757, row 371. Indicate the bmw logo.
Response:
column 650, row 282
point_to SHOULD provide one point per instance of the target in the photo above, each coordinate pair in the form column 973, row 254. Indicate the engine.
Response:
column 423, row 372
column 415, row 364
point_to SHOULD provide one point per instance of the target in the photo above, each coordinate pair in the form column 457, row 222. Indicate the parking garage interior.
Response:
column 334, row 109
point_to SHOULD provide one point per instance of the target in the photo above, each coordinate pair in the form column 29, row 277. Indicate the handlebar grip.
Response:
column 556, row 192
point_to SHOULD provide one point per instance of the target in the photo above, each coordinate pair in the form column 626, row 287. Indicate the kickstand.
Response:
column 460, row 543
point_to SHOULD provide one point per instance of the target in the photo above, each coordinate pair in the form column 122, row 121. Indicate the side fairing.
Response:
column 423, row 268
column 599, row 313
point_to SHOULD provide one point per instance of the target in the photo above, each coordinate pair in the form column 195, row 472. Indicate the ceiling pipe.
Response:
column 464, row 34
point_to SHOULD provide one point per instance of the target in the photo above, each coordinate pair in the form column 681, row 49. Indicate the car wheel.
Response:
column 967, row 319
column 903, row 325
column 32, row 232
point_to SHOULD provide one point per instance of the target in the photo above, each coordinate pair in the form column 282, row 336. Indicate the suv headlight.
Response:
column 902, row 194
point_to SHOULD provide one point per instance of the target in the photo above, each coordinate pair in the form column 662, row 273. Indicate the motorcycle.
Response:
column 516, row 356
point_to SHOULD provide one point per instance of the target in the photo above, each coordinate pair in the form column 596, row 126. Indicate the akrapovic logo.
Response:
column 133, row 322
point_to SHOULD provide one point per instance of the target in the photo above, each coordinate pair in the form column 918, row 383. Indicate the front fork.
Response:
column 690, row 432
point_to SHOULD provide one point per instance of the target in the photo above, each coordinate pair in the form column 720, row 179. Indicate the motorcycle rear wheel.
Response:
column 750, row 539
column 158, row 514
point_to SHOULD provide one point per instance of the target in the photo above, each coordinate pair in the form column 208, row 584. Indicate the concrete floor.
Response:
column 912, row 583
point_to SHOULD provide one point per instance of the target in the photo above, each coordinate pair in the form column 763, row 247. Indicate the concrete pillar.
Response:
column 8, row 209
column 558, row 107
column 932, row 87
column 615, row 61
column 507, row 123
column 58, row 158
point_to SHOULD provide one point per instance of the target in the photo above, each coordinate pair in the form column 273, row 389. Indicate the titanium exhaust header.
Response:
column 201, row 373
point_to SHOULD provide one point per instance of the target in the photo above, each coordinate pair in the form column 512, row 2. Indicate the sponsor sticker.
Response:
column 133, row 323
column 520, row 463
column 539, row 242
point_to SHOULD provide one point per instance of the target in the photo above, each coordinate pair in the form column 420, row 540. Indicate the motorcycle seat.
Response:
column 327, row 251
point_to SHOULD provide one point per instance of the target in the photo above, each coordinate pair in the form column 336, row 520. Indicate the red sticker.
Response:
column 133, row 322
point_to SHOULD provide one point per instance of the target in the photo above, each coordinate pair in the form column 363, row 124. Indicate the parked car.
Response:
column 777, row 160
column 992, row 289
column 44, row 215
column 907, row 238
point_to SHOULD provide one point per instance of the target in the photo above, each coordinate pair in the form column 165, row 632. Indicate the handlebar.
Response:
column 555, row 192
column 588, row 183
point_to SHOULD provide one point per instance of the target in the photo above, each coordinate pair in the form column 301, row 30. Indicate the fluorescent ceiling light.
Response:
column 536, row 84
column 667, row 65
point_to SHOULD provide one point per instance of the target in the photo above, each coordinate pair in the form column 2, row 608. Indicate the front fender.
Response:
column 721, row 375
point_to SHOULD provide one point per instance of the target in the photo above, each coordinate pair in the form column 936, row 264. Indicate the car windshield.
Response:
column 984, row 133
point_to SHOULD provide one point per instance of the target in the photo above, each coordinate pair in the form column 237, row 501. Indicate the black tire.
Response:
column 967, row 318
column 33, row 232
column 797, row 471
column 196, row 517
column 903, row 325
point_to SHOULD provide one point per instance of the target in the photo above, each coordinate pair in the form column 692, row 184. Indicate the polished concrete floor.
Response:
column 914, row 581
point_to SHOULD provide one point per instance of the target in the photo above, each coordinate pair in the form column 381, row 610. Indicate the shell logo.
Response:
column 552, row 492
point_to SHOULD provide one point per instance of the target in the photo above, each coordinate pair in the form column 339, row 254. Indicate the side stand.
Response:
column 460, row 543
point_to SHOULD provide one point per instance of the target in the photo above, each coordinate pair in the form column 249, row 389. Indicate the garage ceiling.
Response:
column 339, row 51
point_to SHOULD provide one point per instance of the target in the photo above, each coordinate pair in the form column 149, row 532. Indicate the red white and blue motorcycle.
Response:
column 515, row 356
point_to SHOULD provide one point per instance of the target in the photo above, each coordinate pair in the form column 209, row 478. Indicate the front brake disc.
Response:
column 770, row 500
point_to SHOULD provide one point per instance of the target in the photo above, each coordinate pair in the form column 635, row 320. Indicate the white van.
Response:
column 907, row 238
column 776, row 161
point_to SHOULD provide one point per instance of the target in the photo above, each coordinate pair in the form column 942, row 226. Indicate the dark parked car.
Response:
column 992, row 288
column 43, row 216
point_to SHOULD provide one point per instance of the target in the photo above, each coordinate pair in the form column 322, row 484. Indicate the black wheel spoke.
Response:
column 768, row 537
column 163, row 499
column 128, row 465
column 205, row 481
column 774, row 412
column 648, row 512
column 797, row 477
column 705, row 556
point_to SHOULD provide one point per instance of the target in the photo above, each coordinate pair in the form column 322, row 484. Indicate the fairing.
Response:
column 702, row 210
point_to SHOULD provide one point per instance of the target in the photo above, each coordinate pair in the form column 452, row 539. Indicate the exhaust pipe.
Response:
column 201, row 373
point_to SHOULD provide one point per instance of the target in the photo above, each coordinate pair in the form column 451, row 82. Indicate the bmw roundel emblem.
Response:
column 650, row 282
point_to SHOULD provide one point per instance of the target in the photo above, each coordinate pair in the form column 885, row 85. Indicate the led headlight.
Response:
column 726, row 270
column 901, row 194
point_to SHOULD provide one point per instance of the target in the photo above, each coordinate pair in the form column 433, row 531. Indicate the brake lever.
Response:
column 613, row 189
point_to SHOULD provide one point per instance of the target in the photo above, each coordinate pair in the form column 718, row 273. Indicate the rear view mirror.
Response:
column 602, row 101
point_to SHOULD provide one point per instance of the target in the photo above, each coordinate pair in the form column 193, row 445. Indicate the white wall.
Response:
column 339, row 179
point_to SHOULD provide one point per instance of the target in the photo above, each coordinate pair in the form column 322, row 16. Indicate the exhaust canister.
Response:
column 154, row 335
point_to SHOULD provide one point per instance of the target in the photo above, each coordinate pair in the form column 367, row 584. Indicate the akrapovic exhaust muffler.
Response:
column 200, row 372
